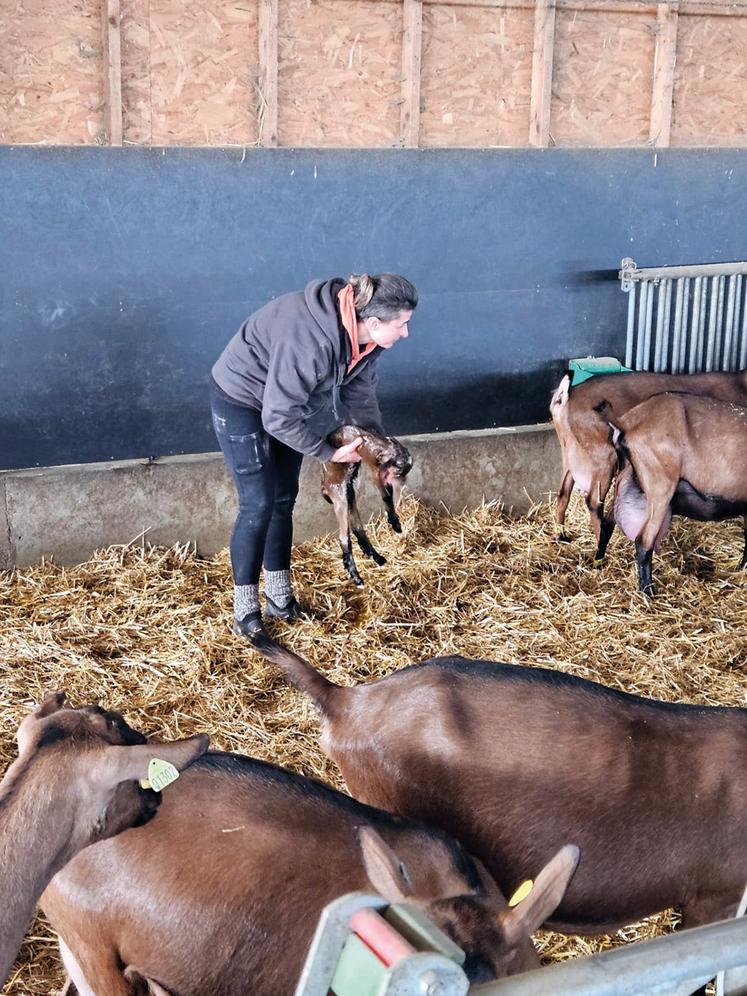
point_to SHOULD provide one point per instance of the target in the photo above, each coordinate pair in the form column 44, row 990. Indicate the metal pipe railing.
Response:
column 668, row 965
column 701, row 332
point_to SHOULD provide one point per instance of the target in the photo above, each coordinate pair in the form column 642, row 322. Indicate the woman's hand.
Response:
column 348, row 453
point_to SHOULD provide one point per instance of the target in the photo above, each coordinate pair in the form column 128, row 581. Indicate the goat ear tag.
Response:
column 160, row 774
column 521, row 893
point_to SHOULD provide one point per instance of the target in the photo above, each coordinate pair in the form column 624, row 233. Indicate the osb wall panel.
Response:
column 710, row 91
column 339, row 72
column 51, row 86
column 476, row 75
column 203, row 64
column 603, row 78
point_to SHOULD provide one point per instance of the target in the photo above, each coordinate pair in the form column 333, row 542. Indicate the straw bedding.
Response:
column 146, row 631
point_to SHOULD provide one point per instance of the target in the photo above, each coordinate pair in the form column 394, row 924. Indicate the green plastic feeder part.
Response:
column 359, row 972
column 592, row 366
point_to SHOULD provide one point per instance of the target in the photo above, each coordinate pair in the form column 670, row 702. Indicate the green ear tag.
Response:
column 160, row 774
column 521, row 893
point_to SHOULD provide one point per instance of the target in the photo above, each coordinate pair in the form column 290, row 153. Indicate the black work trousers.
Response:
column 266, row 473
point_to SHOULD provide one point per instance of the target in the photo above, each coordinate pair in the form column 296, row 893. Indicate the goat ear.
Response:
column 386, row 873
column 122, row 764
column 52, row 702
column 547, row 891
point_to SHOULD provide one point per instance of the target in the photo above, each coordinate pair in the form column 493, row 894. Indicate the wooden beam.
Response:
column 665, row 56
column 542, row 59
column 112, row 56
column 412, row 48
column 268, row 72
column 716, row 8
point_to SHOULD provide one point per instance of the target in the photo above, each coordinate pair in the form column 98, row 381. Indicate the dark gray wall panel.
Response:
column 124, row 272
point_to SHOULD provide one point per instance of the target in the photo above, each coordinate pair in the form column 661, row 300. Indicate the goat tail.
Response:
column 617, row 438
column 298, row 671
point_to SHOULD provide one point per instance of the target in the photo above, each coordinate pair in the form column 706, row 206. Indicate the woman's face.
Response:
column 385, row 334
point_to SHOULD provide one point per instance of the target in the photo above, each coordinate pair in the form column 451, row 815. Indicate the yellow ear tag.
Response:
column 160, row 774
column 521, row 893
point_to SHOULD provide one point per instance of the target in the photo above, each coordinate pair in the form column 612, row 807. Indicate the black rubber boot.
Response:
column 288, row 612
column 250, row 626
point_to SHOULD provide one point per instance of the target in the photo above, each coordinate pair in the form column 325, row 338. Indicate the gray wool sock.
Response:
column 278, row 587
column 245, row 599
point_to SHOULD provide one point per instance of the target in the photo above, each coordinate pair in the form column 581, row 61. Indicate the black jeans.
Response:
column 266, row 473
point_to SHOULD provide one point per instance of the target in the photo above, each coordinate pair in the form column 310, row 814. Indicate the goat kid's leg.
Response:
column 340, row 504
column 360, row 534
column 561, row 505
column 387, row 494
column 743, row 565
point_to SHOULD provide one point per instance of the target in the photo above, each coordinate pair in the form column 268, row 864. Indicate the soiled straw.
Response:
column 146, row 631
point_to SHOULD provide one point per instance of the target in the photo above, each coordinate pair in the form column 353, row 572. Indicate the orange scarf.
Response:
column 350, row 322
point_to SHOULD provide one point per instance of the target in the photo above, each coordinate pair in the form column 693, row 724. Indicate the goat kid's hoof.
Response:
column 598, row 563
column 559, row 535
column 648, row 590
column 378, row 559
column 396, row 525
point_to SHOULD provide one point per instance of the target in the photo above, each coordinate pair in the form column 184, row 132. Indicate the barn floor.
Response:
column 146, row 632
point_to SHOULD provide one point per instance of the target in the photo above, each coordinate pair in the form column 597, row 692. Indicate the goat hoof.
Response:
column 648, row 590
column 598, row 562
column 378, row 560
column 396, row 525
column 562, row 538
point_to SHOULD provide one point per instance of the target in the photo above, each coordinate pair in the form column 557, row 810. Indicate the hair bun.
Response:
column 363, row 289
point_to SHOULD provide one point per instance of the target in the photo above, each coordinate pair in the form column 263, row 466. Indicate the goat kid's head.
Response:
column 101, row 760
column 472, row 910
column 394, row 466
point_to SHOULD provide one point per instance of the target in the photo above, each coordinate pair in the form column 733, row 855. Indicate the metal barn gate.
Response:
column 686, row 319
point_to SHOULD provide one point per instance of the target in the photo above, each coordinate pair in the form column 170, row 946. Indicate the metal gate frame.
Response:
column 701, row 317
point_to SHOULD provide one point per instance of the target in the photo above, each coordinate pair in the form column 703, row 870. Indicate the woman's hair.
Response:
column 382, row 296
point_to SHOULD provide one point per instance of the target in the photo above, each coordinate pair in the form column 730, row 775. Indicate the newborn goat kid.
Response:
column 389, row 462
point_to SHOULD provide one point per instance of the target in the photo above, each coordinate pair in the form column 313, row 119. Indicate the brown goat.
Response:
column 75, row 781
column 513, row 761
column 581, row 417
column 390, row 463
column 682, row 455
column 221, row 892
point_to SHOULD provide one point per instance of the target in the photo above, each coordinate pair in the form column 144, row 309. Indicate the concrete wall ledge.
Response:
column 67, row 512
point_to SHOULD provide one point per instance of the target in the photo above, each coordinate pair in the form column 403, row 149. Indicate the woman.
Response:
column 297, row 368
